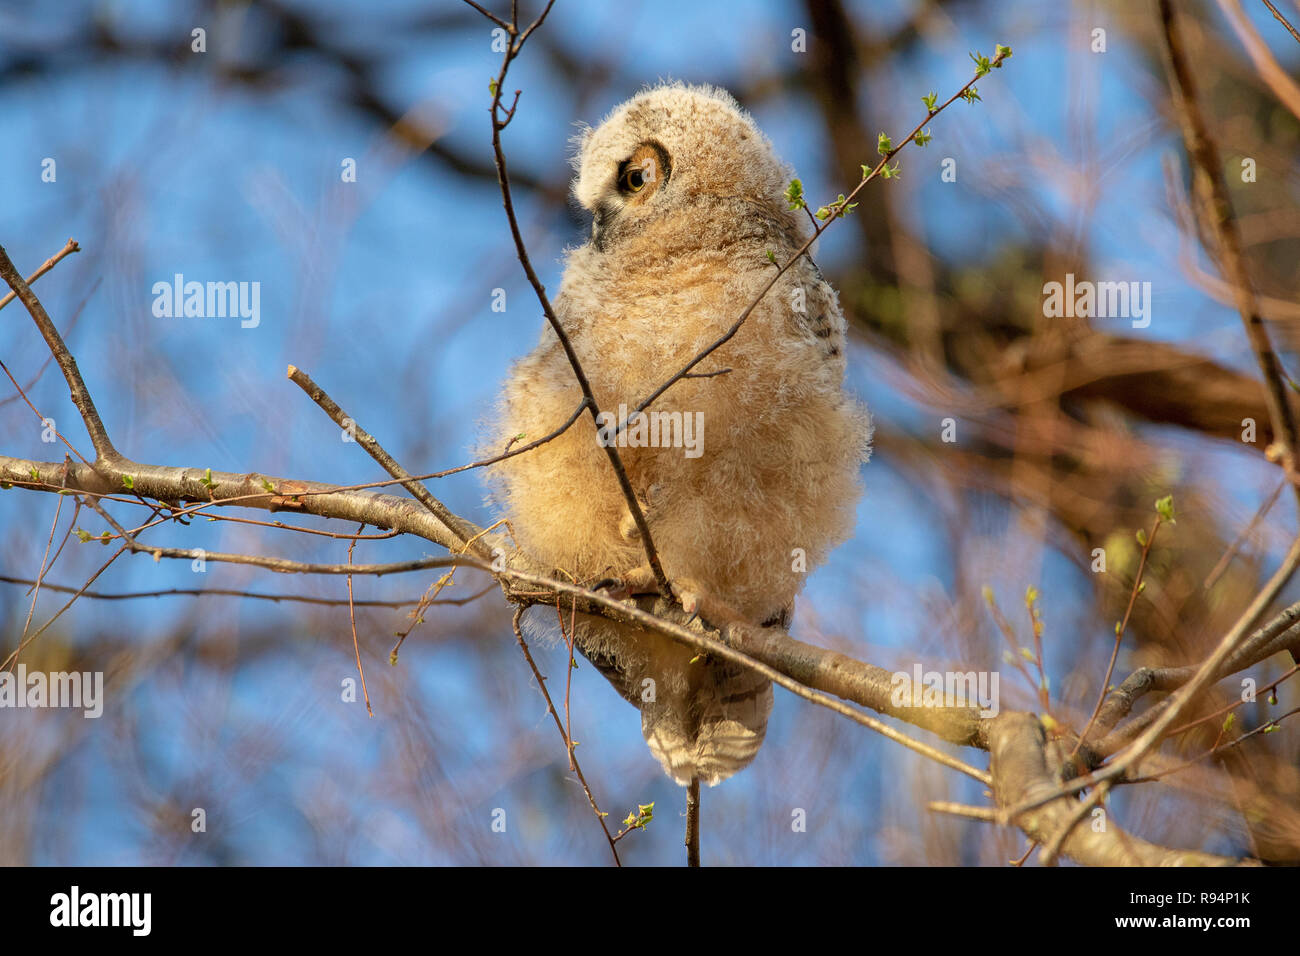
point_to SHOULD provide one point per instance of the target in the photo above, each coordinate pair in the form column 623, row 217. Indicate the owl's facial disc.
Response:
column 637, row 180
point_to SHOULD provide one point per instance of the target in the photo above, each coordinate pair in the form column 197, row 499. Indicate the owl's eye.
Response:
column 633, row 179
column 643, row 173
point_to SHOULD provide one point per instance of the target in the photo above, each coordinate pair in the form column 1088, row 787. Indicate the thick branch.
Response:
column 1022, row 774
column 229, row 488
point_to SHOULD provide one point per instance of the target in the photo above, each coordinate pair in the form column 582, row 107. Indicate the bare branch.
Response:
column 564, row 736
column 503, row 175
column 454, row 523
column 104, row 449
column 1215, row 206
column 71, row 247
column 232, row 592
column 1282, row 20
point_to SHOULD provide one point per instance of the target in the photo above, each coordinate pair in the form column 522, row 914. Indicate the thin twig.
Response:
column 376, row 451
column 1211, row 190
column 693, row 823
column 46, row 266
column 1178, row 701
column 987, row 814
column 1119, row 634
column 230, row 592
column 1231, row 707
column 568, row 741
column 503, row 176
column 1217, row 571
column 23, row 395
column 13, row 657
column 40, row 577
column 836, row 210
column 80, row 394
column 1270, row 71
column 1282, row 20
column 631, row 614
column 1267, row 727
column 352, row 618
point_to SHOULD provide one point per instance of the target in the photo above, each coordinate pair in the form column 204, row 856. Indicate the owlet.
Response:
column 747, row 471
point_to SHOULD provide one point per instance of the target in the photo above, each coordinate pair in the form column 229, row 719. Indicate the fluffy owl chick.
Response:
column 749, row 476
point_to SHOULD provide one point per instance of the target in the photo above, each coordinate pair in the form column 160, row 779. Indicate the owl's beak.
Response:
column 600, row 221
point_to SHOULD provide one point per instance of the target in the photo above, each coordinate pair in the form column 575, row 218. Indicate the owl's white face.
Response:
column 670, row 149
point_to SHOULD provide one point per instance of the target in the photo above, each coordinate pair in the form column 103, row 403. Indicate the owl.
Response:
column 747, row 472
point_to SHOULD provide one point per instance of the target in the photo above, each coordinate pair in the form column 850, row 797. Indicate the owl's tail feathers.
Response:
column 719, row 736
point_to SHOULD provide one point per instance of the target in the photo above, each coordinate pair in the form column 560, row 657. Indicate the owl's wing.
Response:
column 609, row 669
column 822, row 317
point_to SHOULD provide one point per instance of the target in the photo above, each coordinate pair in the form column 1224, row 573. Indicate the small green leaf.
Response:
column 794, row 194
column 1141, row 537
column 492, row 87
column 1229, row 721
column 1027, row 654
column 970, row 95
column 883, row 144
column 129, row 482
column 1165, row 508
column 771, row 257
column 982, row 64
column 83, row 536
column 931, row 101
column 268, row 487
column 1000, row 53
column 36, row 475
column 922, row 138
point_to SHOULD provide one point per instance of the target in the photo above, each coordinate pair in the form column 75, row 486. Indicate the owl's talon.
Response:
column 613, row 587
